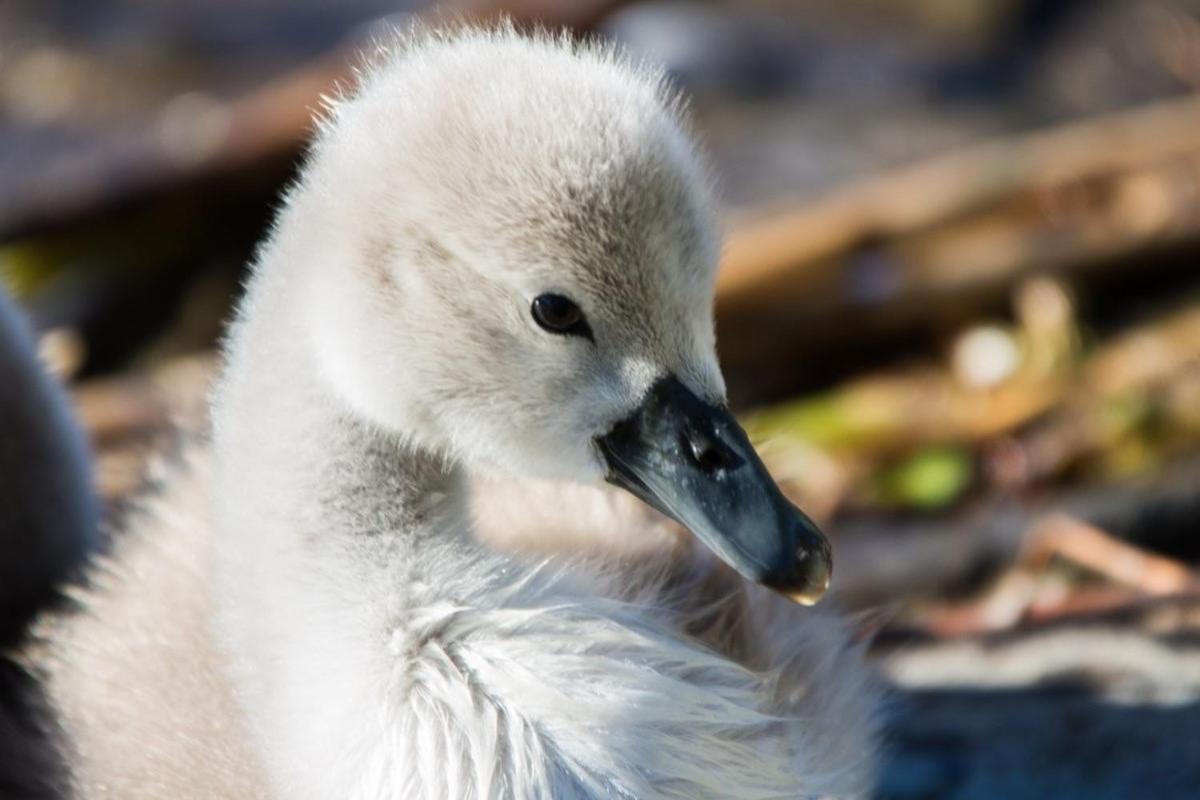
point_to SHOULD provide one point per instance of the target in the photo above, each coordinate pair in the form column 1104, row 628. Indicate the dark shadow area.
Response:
column 31, row 766
column 1041, row 742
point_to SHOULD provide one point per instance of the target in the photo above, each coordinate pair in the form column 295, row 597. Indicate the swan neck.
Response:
column 293, row 455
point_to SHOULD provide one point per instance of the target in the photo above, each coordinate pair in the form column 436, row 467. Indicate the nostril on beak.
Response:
column 707, row 453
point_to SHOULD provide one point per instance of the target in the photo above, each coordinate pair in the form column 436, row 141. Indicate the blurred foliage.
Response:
column 1023, row 405
column 929, row 479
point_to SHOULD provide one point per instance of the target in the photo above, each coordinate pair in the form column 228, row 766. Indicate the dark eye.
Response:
column 559, row 314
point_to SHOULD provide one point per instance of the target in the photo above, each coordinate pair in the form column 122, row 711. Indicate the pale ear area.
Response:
column 352, row 310
column 350, row 298
column 429, row 347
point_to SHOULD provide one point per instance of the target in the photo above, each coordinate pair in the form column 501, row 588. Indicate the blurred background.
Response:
column 959, row 311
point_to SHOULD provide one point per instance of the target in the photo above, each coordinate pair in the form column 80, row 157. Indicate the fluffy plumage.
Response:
column 333, row 626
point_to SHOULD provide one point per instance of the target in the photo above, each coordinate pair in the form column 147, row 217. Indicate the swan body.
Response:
column 308, row 610
column 49, row 523
column 49, row 513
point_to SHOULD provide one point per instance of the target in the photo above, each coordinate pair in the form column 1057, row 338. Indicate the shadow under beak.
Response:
column 693, row 462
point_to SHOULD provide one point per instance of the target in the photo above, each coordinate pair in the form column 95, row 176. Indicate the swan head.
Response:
column 514, row 266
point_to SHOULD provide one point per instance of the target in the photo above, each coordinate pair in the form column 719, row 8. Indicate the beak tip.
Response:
column 810, row 574
column 808, row 595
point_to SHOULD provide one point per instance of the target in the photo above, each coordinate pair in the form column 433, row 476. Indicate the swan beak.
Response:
column 693, row 462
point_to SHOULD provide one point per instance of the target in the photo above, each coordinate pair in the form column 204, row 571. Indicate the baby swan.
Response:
column 500, row 258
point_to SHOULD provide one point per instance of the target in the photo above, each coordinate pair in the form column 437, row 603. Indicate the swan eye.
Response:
column 558, row 314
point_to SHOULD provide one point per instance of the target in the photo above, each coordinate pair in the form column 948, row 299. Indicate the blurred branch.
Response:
column 954, row 187
column 264, row 129
column 914, row 245
column 1090, row 547
column 882, row 559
